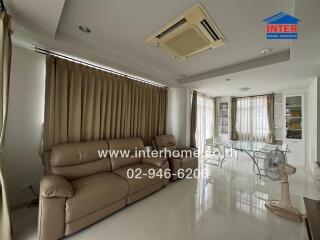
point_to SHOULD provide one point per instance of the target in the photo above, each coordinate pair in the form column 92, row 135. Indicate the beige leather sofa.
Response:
column 183, row 162
column 83, row 188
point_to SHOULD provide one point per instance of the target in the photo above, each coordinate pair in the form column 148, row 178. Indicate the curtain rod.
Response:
column 191, row 90
column 260, row 95
column 59, row 55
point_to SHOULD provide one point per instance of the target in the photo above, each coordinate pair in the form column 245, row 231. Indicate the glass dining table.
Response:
column 250, row 148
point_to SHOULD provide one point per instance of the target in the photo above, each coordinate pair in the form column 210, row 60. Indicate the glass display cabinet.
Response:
column 294, row 117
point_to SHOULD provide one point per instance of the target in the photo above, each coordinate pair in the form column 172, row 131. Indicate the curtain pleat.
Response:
column 193, row 121
column 270, row 112
column 216, row 120
column 205, row 121
column 5, row 63
column 234, row 133
column 85, row 104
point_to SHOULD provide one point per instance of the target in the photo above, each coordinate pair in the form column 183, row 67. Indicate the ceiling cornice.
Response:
column 251, row 64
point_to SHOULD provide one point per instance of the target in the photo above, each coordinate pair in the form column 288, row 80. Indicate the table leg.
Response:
column 255, row 164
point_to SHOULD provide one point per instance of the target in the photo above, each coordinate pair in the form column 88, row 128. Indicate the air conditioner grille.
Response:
column 190, row 33
column 173, row 27
column 207, row 26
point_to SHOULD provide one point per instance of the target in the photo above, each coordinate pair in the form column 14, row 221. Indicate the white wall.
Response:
column 311, row 146
column 24, row 124
column 178, row 117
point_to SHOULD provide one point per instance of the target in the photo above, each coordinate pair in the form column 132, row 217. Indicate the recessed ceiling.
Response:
column 122, row 26
column 119, row 29
column 271, row 78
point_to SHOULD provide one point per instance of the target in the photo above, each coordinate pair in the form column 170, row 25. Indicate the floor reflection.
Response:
column 232, row 202
column 227, row 205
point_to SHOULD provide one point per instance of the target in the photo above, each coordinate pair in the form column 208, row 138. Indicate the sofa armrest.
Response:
column 156, row 161
column 55, row 186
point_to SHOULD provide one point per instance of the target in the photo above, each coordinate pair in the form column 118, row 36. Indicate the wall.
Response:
column 311, row 146
column 24, row 124
column 178, row 119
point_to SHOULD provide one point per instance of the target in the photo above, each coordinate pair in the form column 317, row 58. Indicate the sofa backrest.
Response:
column 76, row 160
column 128, row 146
column 165, row 141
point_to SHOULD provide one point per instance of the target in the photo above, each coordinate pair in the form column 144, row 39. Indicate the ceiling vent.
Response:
column 190, row 33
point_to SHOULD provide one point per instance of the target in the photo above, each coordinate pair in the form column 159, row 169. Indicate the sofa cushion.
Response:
column 128, row 146
column 139, row 184
column 93, row 193
column 76, row 160
column 165, row 141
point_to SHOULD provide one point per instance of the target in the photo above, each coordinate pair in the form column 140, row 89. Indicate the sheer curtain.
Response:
column 205, row 120
column 252, row 118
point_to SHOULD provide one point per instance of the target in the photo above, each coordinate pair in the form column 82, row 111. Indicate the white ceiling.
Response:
column 119, row 29
column 297, row 73
column 268, row 79
column 41, row 16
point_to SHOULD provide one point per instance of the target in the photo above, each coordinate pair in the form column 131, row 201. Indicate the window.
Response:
column 252, row 118
column 205, row 121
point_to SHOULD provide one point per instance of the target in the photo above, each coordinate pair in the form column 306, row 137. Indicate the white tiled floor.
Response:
column 227, row 205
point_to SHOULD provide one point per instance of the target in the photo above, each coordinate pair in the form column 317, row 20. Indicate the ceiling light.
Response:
column 84, row 29
column 267, row 51
column 244, row 89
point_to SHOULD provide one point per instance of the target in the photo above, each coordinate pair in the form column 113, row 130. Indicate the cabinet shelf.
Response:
column 294, row 117
column 294, row 106
column 224, row 118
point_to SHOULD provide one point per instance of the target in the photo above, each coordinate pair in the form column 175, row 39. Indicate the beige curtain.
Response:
column 193, row 125
column 216, row 119
column 85, row 104
column 234, row 134
column 146, row 108
column 5, row 61
column 270, row 111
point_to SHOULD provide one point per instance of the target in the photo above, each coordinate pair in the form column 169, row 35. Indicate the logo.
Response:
column 282, row 26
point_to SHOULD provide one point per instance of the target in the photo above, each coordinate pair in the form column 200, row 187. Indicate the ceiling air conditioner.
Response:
column 190, row 33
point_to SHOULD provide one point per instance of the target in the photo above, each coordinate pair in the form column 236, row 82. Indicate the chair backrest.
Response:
column 76, row 160
column 128, row 147
column 165, row 141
